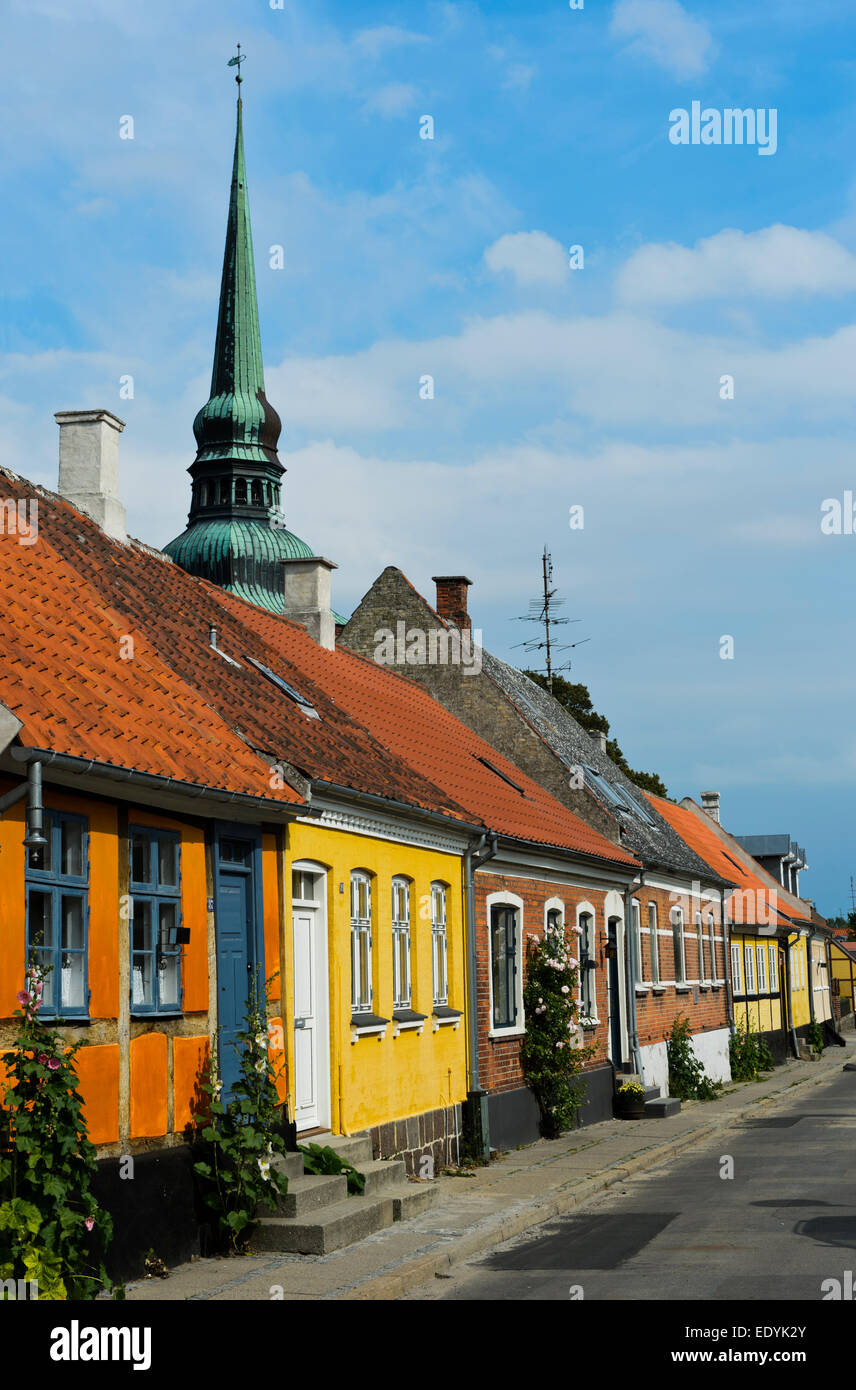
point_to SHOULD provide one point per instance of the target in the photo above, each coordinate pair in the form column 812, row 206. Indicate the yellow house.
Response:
column 375, row 985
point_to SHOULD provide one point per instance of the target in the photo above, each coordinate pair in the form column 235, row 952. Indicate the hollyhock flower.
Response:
column 43, row 1057
column 261, row 1039
column 89, row 1222
column 53, row 1063
column 264, row 1168
column 261, row 1064
column 23, row 998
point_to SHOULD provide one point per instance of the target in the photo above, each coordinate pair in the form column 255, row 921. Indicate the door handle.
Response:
column 301, row 1022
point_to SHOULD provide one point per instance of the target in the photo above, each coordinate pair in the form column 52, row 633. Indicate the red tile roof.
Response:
column 177, row 708
column 759, row 893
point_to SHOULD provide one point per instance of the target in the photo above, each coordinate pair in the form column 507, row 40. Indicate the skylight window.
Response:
column 618, row 797
column 306, row 705
column 493, row 768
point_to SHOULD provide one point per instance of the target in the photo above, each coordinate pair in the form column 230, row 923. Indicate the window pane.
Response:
column 141, row 926
column 499, row 941
column 168, row 924
column 167, row 862
column 141, row 980
column 45, row 960
column 141, row 867
column 168, row 980
column 365, row 982
column 72, row 980
column 72, row 922
column 40, row 920
column 71, row 834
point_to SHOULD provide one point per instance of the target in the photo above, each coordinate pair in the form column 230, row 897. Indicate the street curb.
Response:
column 539, row 1210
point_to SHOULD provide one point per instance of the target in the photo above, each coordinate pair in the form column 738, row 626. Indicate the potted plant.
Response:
column 630, row 1101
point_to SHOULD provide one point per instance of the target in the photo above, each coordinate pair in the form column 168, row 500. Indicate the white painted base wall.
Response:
column 710, row 1048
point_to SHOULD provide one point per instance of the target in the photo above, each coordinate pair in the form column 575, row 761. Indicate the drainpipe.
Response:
column 726, row 963
column 32, row 790
column 631, row 972
column 792, row 1030
column 475, row 1120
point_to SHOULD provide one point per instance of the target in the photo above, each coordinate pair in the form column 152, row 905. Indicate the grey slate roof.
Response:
column 656, row 844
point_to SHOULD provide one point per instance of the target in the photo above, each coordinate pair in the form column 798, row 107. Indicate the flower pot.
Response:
column 630, row 1109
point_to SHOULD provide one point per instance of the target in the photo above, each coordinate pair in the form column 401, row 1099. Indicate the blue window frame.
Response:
column 57, row 883
column 155, row 921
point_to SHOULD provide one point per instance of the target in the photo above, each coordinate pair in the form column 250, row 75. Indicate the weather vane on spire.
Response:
column 236, row 62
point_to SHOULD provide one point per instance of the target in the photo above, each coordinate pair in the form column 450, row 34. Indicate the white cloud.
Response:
column 533, row 258
column 775, row 261
column 518, row 77
column 385, row 36
column 392, row 100
column 662, row 30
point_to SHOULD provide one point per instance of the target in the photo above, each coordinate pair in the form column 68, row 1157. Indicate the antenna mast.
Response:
column 543, row 612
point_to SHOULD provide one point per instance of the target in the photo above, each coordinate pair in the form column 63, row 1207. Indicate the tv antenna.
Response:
column 543, row 612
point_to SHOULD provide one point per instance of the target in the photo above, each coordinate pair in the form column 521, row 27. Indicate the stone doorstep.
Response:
column 354, row 1149
column 328, row 1229
column 307, row 1194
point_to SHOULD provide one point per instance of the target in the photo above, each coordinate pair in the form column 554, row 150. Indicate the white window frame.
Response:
column 401, row 989
column 677, row 919
column 774, row 967
column 654, row 937
column 636, row 921
column 711, row 941
column 749, row 967
column 762, row 968
column 361, row 938
column 507, row 900
column 439, row 945
column 702, row 966
column 736, row 969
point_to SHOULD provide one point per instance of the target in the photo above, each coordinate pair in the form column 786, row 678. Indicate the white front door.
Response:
column 311, row 1043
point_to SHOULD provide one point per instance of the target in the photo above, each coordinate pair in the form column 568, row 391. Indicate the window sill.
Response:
column 444, row 1015
column 140, row 1016
column 500, row 1034
column 64, row 1020
column 407, row 1020
column 658, row 989
column 642, row 989
column 368, row 1025
column 683, row 989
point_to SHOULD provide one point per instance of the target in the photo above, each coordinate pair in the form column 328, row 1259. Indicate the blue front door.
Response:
column 239, row 946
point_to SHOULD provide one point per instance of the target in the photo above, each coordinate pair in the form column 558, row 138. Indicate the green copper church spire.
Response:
column 236, row 534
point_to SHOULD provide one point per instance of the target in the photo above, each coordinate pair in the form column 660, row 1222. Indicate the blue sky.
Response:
column 404, row 257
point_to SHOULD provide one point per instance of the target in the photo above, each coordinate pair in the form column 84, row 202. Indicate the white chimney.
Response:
column 599, row 737
column 307, row 597
column 710, row 803
column 89, row 466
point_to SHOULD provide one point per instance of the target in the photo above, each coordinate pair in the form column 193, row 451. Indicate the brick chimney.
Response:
column 89, row 466
column 452, row 600
column 710, row 803
column 307, row 597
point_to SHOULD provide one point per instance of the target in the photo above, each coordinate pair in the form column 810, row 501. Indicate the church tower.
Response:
column 236, row 535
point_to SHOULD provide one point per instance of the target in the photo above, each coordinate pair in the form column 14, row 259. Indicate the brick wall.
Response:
column 705, row 1004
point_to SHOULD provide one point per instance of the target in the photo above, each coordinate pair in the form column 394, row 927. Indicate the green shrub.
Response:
column 550, row 1058
column 749, row 1055
column 687, row 1078
column 238, row 1142
column 52, row 1231
column 814, row 1034
column 318, row 1160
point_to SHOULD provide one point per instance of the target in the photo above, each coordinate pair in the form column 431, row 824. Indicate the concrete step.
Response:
column 652, row 1093
column 328, row 1229
column 290, row 1164
column 413, row 1199
column 381, row 1174
column 354, row 1149
column 307, row 1195
column 662, row 1107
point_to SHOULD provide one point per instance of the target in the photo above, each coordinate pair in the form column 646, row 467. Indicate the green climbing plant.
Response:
column 52, row 1231
column 552, row 1061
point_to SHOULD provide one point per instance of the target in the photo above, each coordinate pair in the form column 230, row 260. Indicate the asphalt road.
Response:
column 777, row 1229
